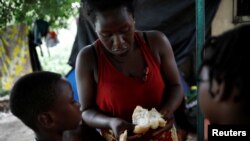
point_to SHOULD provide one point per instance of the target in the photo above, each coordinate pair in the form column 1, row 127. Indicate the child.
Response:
column 224, row 86
column 44, row 102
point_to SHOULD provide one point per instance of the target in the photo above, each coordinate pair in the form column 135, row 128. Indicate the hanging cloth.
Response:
column 14, row 54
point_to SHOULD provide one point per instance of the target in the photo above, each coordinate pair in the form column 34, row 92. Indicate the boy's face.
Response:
column 66, row 109
column 209, row 106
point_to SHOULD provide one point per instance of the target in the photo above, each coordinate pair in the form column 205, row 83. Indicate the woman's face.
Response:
column 115, row 29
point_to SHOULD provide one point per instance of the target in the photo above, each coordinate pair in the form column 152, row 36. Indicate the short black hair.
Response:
column 32, row 94
column 228, row 58
column 93, row 6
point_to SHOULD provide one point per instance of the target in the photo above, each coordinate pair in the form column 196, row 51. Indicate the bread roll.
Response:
column 144, row 120
column 156, row 119
column 123, row 136
column 140, row 118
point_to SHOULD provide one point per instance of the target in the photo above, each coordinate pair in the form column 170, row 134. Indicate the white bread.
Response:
column 144, row 120
column 156, row 119
column 141, row 129
column 140, row 118
column 123, row 136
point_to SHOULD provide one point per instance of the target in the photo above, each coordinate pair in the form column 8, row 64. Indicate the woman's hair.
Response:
column 228, row 58
column 93, row 6
column 32, row 94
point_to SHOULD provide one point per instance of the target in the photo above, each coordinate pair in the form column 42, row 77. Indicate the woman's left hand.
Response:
column 168, row 126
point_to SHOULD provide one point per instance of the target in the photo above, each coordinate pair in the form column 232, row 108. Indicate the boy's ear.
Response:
column 218, row 90
column 46, row 119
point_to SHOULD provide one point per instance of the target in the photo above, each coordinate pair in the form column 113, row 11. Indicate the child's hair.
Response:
column 93, row 6
column 32, row 94
column 228, row 58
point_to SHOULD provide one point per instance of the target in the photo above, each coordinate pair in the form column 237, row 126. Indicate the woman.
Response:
column 125, row 68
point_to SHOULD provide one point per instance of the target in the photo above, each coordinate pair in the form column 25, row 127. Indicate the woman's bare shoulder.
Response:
column 156, row 36
column 86, row 56
column 87, row 51
column 158, row 41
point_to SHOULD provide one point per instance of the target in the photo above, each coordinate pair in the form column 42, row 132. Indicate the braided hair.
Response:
column 227, row 58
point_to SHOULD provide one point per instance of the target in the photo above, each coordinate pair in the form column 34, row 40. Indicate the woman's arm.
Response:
column 86, row 67
column 86, row 86
column 163, row 50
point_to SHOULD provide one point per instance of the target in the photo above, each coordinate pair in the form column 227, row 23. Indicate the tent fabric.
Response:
column 85, row 36
column 175, row 18
column 14, row 54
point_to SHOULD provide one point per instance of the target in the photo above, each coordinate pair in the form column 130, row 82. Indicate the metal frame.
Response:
column 239, row 19
column 200, row 38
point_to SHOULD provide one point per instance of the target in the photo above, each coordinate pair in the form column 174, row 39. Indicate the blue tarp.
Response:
column 71, row 78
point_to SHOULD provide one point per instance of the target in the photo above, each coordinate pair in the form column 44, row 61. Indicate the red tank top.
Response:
column 118, row 94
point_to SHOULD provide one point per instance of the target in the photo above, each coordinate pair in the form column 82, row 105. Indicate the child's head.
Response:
column 44, row 101
column 224, row 77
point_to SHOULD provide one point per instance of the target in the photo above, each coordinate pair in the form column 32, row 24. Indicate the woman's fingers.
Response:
column 133, row 138
column 164, row 129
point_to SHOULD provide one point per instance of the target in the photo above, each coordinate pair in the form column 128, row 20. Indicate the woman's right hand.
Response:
column 118, row 126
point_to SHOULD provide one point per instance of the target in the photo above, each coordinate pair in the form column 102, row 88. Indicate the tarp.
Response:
column 14, row 54
column 175, row 18
column 85, row 36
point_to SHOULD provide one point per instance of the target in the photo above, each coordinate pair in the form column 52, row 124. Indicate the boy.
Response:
column 224, row 78
column 44, row 102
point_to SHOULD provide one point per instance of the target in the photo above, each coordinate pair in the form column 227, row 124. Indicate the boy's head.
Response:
column 44, row 100
column 225, row 75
